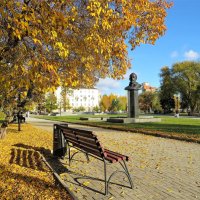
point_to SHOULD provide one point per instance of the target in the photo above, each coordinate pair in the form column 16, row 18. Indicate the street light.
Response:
column 60, row 107
column 19, row 105
column 177, row 102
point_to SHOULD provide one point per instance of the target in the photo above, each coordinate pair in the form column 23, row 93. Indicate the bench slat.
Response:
column 92, row 151
column 92, row 143
column 62, row 125
column 66, row 131
column 95, row 148
column 82, row 143
column 76, row 130
column 87, row 134
column 113, row 157
column 112, row 160
column 92, row 146
column 72, row 140
column 115, row 154
column 92, row 140
column 68, row 134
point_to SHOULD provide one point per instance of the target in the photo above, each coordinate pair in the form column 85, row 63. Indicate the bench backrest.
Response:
column 83, row 139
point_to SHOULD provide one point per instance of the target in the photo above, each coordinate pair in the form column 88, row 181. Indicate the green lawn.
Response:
column 177, row 127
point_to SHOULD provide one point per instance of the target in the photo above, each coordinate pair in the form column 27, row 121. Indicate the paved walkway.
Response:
column 160, row 168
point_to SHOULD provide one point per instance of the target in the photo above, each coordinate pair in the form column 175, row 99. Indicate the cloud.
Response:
column 126, row 76
column 174, row 54
column 108, row 85
column 191, row 55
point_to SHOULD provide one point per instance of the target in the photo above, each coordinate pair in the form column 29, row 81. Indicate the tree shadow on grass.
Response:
column 27, row 158
column 42, row 150
column 17, row 155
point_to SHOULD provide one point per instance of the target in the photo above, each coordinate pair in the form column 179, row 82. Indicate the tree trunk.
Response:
column 3, row 133
column 4, row 126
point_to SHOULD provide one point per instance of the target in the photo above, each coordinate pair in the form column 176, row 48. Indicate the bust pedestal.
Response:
column 133, row 107
column 133, row 111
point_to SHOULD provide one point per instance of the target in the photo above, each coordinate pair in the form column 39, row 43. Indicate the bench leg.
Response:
column 105, row 178
column 87, row 157
column 127, row 173
column 69, row 155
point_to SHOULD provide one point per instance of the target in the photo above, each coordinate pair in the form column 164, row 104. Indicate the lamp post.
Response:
column 19, row 105
column 177, row 103
column 39, row 108
column 51, row 107
column 60, row 107
column 19, row 111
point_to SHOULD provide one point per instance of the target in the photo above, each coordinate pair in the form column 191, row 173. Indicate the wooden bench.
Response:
column 87, row 142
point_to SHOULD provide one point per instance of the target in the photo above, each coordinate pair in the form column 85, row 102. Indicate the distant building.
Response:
column 147, row 88
column 87, row 98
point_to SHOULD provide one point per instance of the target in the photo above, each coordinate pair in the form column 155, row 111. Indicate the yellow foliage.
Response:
column 23, row 174
column 76, row 37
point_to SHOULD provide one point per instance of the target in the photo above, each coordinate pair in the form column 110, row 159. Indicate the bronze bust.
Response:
column 133, row 84
column 133, row 78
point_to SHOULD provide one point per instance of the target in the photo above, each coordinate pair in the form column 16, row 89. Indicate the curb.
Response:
column 57, row 177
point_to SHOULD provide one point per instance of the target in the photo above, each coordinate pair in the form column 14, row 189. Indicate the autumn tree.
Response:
column 96, row 109
column 104, row 103
column 167, row 90
column 150, row 101
column 115, row 105
column 145, row 100
column 186, row 78
column 64, row 100
column 79, row 109
column 123, row 103
column 156, row 105
column 46, row 42
column 51, row 102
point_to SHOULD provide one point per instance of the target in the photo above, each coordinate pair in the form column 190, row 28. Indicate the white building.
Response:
column 87, row 98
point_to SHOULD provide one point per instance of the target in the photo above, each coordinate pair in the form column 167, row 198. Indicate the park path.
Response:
column 160, row 168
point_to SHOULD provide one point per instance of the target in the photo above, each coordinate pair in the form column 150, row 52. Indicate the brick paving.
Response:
column 160, row 168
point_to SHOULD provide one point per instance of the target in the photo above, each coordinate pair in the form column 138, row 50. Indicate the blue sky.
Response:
column 181, row 42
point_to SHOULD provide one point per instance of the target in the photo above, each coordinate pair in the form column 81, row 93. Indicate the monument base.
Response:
column 134, row 120
column 93, row 118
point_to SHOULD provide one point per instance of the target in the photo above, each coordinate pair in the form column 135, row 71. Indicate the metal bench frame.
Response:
column 76, row 143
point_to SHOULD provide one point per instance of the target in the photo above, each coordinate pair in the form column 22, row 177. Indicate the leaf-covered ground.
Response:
column 160, row 168
column 23, row 174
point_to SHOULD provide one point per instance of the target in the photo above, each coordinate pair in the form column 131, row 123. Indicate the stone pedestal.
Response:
column 133, row 120
column 132, row 88
column 133, row 111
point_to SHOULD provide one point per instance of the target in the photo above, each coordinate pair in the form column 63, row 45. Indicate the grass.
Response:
column 182, row 127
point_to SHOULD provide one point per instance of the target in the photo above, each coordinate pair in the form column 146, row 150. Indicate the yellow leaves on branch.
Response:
column 84, row 41
column 63, row 52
